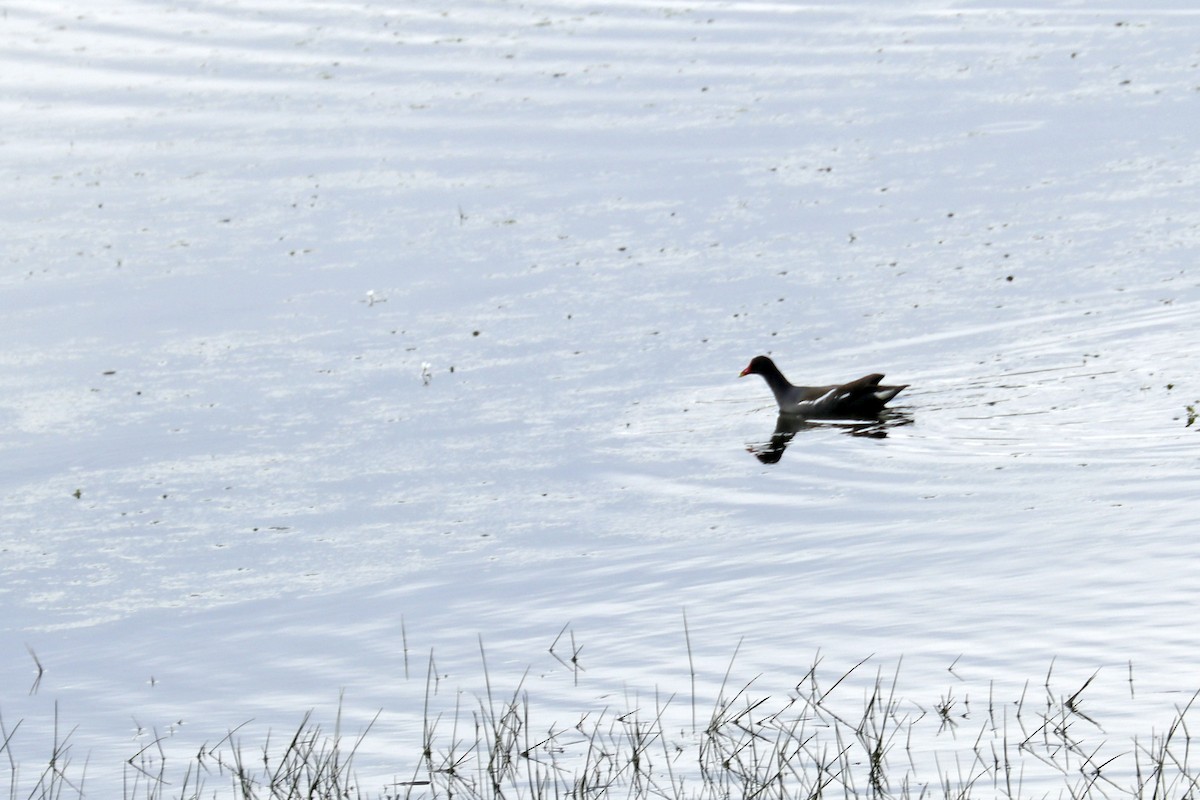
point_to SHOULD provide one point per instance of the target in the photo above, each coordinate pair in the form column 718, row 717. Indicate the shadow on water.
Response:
column 788, row 425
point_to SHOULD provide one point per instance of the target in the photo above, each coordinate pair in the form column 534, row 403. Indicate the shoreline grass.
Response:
column 841, row 733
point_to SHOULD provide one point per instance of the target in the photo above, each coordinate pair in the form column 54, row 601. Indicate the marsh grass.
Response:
column 843, row 733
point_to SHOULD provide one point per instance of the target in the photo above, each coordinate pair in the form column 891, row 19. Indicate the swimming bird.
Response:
column 864, row 397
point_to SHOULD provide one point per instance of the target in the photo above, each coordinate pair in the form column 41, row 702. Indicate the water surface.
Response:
column 237, row 234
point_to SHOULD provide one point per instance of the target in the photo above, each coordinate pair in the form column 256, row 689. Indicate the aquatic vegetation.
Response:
column 823, row 738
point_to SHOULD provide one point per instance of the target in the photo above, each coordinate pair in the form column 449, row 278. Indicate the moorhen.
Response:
column 864, row 397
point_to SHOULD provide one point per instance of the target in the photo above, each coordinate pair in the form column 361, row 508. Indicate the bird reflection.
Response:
column 788, row 425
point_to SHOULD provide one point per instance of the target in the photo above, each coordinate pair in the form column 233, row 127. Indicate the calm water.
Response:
column 236, row 234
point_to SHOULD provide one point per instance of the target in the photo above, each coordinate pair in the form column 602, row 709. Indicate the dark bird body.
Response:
column 857, row 399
